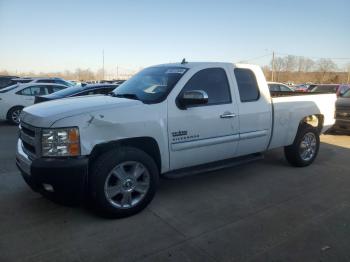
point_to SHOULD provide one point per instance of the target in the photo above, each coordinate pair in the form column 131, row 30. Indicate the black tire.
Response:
column 100, row 171
column 11, row 113
column 292, row 152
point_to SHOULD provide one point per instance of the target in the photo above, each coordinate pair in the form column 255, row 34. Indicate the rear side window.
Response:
column 284, row 88
column 247, row 85
column 54, row 89
column 274, row 87
column 38, row 90
column 34, row 91
column 25, row 92
column 214, row 82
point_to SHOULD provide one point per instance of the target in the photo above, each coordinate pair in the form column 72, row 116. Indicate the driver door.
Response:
column 204, row 133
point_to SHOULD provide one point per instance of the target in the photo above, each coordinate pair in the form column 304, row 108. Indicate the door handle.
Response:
column 227, row 115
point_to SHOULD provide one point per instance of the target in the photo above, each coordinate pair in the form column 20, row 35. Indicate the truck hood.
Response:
column 46, row 113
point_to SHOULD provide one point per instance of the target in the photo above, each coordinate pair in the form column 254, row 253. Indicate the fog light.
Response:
column 48, row 187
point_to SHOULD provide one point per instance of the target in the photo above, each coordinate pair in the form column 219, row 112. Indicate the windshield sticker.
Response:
column 175, row 71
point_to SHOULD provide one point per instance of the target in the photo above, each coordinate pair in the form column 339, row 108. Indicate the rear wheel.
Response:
column 123, row 181
column 305, row 147
column 13, row 115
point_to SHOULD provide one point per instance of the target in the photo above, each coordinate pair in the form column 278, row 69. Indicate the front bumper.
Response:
column 61, row 179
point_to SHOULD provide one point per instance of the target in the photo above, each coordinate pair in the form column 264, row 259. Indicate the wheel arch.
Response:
column 315, row 120
column 147, row 144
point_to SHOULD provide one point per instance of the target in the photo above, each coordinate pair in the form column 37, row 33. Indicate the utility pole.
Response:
column 117, row 72
column 273, row 66
column 103, row 64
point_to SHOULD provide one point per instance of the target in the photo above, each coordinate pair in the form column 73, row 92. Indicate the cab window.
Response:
column 247, row 85
column 214, row 82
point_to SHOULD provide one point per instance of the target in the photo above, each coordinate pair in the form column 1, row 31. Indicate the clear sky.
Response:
column 54, row 35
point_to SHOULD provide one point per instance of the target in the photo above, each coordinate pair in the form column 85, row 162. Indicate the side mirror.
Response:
column 191, row 98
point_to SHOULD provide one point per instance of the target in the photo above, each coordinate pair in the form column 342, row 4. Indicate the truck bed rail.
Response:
column 295, row 93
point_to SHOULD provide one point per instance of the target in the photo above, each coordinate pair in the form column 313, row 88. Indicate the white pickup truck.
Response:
column 167, row 120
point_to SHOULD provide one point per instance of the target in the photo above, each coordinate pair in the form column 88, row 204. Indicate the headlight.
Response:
column 60, row 142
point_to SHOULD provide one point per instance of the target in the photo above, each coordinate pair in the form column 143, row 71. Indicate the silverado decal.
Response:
column 182, row 136
column 179, row 133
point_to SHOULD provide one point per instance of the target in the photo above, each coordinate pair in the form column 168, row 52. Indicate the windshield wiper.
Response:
column 130, row 96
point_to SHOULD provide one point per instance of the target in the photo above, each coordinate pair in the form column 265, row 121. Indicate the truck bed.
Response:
column 289, row 108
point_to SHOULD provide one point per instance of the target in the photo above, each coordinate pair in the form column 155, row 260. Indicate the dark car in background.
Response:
column 78, row 91
column 342, row 113
column 304, row 87
column 22, row 80
column 6, row 81
column 117, row 82
column 279, row 87
column 338, row 89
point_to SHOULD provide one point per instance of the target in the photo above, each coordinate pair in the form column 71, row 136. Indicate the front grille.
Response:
column 27, row 131
column 30, row 137
column 29, row 147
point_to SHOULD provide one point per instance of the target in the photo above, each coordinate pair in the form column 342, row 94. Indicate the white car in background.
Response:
column 14, row 98
column 47, row 80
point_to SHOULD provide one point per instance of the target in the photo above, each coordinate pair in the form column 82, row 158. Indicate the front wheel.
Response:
column 305, row 147
column 122, row 182
column 13, row 115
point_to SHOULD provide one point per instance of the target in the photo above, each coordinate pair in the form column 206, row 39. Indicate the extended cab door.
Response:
column 255, row 110
column 203, row 133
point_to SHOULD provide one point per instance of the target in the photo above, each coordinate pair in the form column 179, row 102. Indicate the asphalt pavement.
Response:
column 262, row 211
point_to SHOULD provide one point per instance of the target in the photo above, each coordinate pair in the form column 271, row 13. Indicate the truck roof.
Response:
column 206, row 64
column 195, row 64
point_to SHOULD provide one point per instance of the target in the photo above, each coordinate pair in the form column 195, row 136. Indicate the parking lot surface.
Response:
column 262, row 211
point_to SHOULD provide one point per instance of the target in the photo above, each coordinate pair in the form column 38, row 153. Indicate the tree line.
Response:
column 298, row 69
column 77, row 74
column 289, row 68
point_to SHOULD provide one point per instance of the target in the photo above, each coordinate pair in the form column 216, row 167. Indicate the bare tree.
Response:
column 301, row 64
column 279, row 66
column 325, row 66
column 347, row 70
column 290, row 63
column 308, row 64
column 304, row 64
column 84, row 74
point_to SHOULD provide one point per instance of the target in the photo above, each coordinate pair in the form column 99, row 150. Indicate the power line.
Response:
column 286, row 54
column 316, row 57
column 254, row 58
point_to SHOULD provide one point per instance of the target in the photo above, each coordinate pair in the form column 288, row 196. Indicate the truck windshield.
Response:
column 151, row 85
